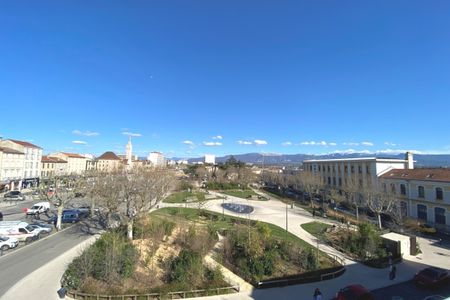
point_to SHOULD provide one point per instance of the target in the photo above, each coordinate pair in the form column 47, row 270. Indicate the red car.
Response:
column 431, row 277
column 354, row 292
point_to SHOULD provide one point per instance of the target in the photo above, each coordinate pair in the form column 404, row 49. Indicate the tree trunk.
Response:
column 379, row 220
column 130, row 229
column 59, row 217
column 357, row 213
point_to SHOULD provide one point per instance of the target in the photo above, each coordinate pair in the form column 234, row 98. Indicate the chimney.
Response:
column 410, row 160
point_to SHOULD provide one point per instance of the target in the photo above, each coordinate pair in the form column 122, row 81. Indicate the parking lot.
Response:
column 16, row 211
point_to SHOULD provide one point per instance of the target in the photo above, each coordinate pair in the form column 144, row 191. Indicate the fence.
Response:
column 156, row 296
column 306, row 277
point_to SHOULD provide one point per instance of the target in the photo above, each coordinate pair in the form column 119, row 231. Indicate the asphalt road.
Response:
column 18, row 264
column 409, row 291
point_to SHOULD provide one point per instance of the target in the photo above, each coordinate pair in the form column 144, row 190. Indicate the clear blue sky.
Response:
column 278, row 76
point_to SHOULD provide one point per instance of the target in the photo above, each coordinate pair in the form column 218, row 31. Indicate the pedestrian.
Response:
column 394, row 271
column 317, row 294
column 314, row 212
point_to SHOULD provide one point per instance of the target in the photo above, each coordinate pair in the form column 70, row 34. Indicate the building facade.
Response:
column 156, row 159
column 210, row 159
column 76, row 163
column 365, row 172
column 32, row 160
column 53, row 166
column 108, row 162
column 424, row 194
column 11, row 168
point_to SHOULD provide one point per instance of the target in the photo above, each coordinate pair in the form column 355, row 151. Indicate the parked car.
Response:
column 7, row 242
column 84, row 211
column 42, row 228
column 431, row 277
column 19, row 230
column 39, row 208
column 14, row 196
column 354, row 292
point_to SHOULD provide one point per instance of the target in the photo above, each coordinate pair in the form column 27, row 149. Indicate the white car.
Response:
column 42, row 228
column 8, row 242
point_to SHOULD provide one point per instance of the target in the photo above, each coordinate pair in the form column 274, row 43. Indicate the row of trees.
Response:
column 124, row 194
column 353, row 192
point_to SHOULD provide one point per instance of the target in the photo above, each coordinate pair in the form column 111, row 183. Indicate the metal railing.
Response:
column 155, row 296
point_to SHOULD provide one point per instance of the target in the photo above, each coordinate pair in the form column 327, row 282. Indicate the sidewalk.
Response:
column 45, row 281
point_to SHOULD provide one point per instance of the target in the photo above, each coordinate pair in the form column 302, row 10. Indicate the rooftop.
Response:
column 376, row 159
column 432, row 174
column 73, row 155
column 47, row 159
column 25, row 144
column 109, row 155
column 9, row 150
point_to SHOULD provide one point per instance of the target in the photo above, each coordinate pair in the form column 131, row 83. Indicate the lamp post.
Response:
column 286, row 217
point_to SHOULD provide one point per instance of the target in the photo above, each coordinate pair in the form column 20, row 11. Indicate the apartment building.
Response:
column 53, row 166
column 424, row 194
column 156, row 159
column 11, row 168
column 108, row 162
column 362, row 171
column 32, row 160
column 76, row 163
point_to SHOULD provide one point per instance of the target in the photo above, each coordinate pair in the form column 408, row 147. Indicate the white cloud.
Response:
column 260, row 142
column 367, row 144
column 217, row 137
column 187, row 142
column 332, row 144
column 350, row 144
column 313, row 143
column 244, row 142
column 383, row 151
column 286, row 144
column 212, row 144
column 390, row 144
column 79, row 142
column 134, row 134
column 85, row 133
column 398, row 151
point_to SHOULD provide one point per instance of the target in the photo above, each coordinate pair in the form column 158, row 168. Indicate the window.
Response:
column 402, row 189
column 393, row 190
column 439, row 193
column 439, row 215
column 329, row 180
column 328, row 168
column 384, row 187
column 368, row 169
column 319, row 168
column 346, row 169
column 359, row 169
column 421, row 191
column 404, row 209
column 334, row 180
column 421, row 212
column 353, row 169
column 339, row 168
column 340, row 181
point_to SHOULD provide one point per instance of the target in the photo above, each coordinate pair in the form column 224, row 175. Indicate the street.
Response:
column 409, row 291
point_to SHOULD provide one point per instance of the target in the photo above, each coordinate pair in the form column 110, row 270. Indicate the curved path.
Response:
column 274, row 211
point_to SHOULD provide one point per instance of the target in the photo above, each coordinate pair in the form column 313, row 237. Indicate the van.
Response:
column 19, row 230
column 39, row 208
column 70, row 216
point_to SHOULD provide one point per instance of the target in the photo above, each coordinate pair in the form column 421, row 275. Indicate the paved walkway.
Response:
column 43, row 283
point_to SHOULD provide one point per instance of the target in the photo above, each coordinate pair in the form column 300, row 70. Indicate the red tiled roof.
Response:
column 25, row 144
column 73, row 155
column 109, row 155
column 9, row 150
column 47, row 159
column 419, row 174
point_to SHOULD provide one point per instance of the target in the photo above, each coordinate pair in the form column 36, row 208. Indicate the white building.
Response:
column 76, row 163
column 53, row 166
column 11, row 168
column 32, row 160
column 363, row 171
column 129, row 153
column 210, row 159
column 424, row 194
column 156, row 159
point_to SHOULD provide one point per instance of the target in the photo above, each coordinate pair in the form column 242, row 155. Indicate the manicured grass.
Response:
column 315, row 228
column 246, row 194
column 181, row 197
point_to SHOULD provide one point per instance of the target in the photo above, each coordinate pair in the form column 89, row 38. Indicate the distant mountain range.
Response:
column 421, row 160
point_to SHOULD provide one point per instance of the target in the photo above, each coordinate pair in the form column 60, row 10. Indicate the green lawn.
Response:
column 245, row 194
column 181, row 197
column 315, row 228
column 219, row 222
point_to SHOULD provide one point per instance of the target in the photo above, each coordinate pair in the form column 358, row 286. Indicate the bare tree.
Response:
column 310, row 183
column 352, row 190
column 378, row 201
